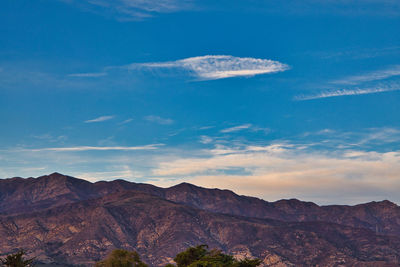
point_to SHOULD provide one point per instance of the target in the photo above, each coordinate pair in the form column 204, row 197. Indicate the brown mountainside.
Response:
column 22, row 195
column 67, row 220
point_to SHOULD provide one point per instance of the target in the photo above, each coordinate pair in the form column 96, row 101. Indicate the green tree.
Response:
column 214, row 258
column 122, row 258
column 17, row 260
column 249, row 263
column 200, row 256
column 191, row 255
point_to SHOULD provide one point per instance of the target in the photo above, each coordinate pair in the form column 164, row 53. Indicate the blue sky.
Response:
column 275, row 99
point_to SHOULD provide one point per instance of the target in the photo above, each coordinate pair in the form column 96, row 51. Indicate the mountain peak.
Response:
column 185, row 184
column 385, row 203
column 55, row 174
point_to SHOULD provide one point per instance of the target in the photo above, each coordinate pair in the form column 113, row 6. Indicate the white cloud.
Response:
column 372, row 83
column 139, row 9
column 338, row 7
column 371, row 76
column 204, row 139
column 365, row 139
column 348, row 92
column 159, row 6
column 356, row 53
column 159, row 120
column 126, row 121
column 214, row 67
column 50, row 138
column 132, row 9
column 98, row 148
column 310, row 170
column 88, row 75
column 100, row 119
column 205, row 127
column 283, row 171
column 380, row 135
column 236, row 128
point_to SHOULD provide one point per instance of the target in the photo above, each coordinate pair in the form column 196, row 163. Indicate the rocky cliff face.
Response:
column 71, row 221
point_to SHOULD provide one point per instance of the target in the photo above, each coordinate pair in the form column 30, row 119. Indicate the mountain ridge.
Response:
column 214, row 200
column 66, row 220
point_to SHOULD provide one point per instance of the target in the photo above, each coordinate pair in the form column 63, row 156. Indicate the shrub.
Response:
column 122, row 258
column 200, row 256
column 17, row 260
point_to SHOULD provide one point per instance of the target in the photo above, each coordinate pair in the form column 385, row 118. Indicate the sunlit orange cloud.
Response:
column 275, row 172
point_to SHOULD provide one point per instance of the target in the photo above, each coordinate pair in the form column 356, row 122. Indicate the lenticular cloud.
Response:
column 219, row 67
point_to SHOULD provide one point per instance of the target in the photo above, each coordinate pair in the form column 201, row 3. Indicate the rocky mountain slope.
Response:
column 71, row 221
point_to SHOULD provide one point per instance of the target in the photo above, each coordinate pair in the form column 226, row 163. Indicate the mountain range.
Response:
column 65, row 221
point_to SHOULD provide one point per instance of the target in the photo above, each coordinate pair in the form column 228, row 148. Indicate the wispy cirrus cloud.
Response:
column 369, row 83
column 100, row 119
column 247, row 126
column 159, row 120
column 365, row 139
column 213, row 67
column 204, row 139
column 356, row 53
column 88, row 74
column 236, row 128
column 126, row 121
column 348, row 92
column 50, row 138
column 370, row 76
column 126, row 10
column 336, row 7
column 94, row 148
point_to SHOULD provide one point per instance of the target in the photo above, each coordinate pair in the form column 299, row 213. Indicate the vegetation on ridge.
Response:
column 198, row 256
column 122, row 258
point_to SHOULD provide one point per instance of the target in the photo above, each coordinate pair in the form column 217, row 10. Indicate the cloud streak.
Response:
column 88, row 75
column 213, row 67
column 371, row 76
column 126, row 121
column 373, row 82
column 159, row 120
column 100, row 119
column 236, row 128
column 348, row 92
column 126, row 10
column 95, row 148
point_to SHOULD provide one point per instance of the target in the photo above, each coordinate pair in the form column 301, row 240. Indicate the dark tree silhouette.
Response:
column 17, row 260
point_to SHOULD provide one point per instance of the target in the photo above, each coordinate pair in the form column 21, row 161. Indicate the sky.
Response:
column 273, row 99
